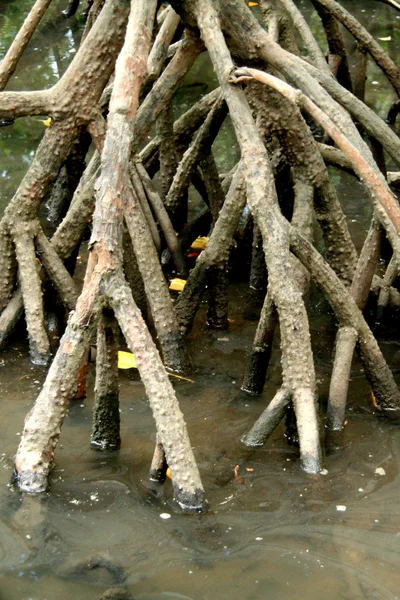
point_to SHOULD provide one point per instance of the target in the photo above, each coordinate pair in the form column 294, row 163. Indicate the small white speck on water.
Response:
column 165, row 516
column 259, row 539
column 341, row 507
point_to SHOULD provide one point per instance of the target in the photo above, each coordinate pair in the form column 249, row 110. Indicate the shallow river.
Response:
column 275, row 532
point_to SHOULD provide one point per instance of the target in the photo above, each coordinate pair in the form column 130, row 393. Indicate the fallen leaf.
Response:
column 374, row 400
column 168, row 473
column 46, row 122
column 386, row 39
column 238, row 479
column 177, row 284
column 127, row 360
column 253, row 3
column 199, row 243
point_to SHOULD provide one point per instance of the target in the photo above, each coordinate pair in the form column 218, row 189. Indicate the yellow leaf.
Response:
column 177, row 284
column 168, row 473
column 374, row 402
column 126, row 360
column 253, row 3
column 200, row 243
column 46, row 122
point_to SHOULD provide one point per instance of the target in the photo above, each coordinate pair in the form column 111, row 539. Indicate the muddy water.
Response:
column 275, row 532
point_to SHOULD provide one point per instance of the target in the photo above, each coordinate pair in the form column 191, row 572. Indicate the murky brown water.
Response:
column 280, row 534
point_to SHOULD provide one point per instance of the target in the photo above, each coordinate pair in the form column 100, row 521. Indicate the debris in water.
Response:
column 341, row 508
column 165, row 516
column 238, row 479
column 380, row 471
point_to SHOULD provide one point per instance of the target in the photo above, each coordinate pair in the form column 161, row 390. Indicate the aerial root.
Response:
column 31, row 287
column 106, row 418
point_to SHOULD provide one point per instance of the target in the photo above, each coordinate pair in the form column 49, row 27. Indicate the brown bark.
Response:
column 105, row 283
column 368, row 42
column 10, row 61
column 297, row 363
column 106, row 420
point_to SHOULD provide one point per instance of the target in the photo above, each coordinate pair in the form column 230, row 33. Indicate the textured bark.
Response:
column 297, row 363
column 70, row 103
column 140, row 195
column 42, row 426
column 177, row 209
column 159, row 465
column 167, row 149
column 337, row 50
column 164, row 221
column 269, row 420
column 259, row 357
column 160, row 303
column 305, row 32
column 346, row 340
column 368, row 42
column 31, row 287
column 14, row 53
column 391, row 273
column 159, row 51
column 280, row 174
column 106, row 420
column 375, row 366
column 215, row 254
column 105, row 284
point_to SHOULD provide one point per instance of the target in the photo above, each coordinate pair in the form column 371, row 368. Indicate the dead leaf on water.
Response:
column 46, row 122
column 127, row 360
column 177, row 284
column 200, row 243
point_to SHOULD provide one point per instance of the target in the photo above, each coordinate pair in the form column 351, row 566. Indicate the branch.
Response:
column 21, row 40
column 365, row 38
column 384, row 202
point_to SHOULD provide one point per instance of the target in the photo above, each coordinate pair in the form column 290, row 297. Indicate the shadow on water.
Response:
column 273, row 532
